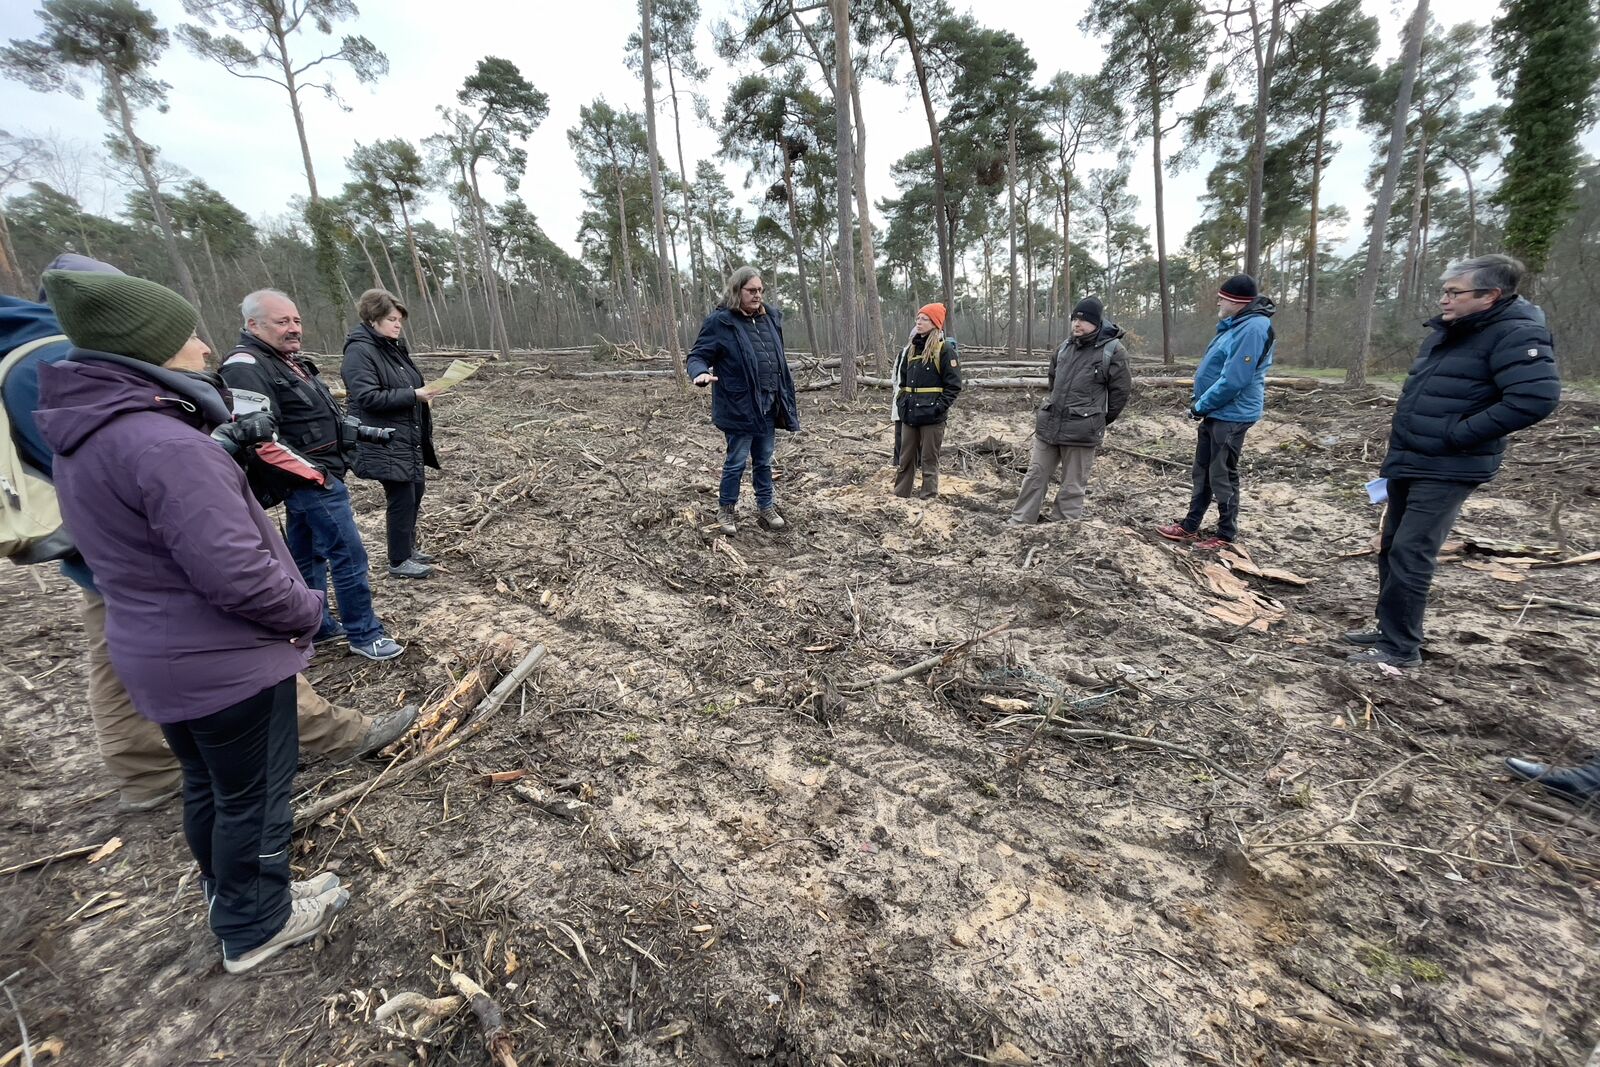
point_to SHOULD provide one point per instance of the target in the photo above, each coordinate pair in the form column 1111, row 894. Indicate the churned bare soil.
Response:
column 779, row 857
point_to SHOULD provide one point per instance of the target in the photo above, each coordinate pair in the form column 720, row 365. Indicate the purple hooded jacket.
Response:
column 202, row 596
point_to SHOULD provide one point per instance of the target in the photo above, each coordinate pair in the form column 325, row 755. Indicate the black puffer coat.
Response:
column 1089, row 386
column 381, row 385
column 1475, row 380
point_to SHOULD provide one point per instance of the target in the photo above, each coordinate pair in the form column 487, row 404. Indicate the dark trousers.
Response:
column 238, row 770
column 403, row 501
column 1216, row 476
column 1421, row 512
column 323, row 539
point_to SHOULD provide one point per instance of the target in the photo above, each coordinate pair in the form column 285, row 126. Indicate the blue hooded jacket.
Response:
column 1230, row 383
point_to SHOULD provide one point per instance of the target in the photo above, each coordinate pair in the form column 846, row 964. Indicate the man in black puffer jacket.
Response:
column 1487, row 370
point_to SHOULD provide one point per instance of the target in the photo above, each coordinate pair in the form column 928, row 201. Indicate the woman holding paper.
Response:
column 385, row 388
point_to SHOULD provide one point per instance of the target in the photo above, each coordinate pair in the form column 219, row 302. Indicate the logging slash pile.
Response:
column 896, row 785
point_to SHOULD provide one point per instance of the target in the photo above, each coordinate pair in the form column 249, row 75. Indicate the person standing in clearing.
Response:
column 1230, row 396
column 739, row 353
column 927, row 379
column 1089, row 386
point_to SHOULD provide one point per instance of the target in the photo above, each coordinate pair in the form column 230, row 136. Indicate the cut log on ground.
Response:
column 402, row 771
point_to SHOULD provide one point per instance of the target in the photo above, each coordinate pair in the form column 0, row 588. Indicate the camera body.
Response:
column 353, row 432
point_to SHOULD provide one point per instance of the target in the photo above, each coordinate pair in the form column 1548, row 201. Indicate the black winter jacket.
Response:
column 1475, row 380
column 724, row 348
column 925, row 388
column 1089, row 386
column 381, row 384
column 308, row 416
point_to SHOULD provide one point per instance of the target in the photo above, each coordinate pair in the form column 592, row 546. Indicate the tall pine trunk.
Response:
column 869, row 254
column 1011, row 227
column 1357, row 373
column 799, row 252
column 663, row 270
column 1311, row 235
column 158, row 206
column 497, row 319
column 845, row 254
column 943, row 229
column 1161, row 223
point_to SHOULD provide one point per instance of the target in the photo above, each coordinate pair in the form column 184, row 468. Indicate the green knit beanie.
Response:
column 120, row 314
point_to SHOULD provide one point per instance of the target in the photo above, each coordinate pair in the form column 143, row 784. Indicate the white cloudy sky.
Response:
column 239, row 137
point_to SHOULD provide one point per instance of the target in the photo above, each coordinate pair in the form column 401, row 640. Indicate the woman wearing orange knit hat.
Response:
column 927, row 377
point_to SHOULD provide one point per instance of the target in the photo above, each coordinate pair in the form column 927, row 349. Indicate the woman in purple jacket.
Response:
column 207, row 618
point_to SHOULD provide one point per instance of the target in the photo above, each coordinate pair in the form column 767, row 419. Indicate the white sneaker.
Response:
column 308, row 917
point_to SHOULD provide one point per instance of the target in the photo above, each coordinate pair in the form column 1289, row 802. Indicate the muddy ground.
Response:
column 786, row 862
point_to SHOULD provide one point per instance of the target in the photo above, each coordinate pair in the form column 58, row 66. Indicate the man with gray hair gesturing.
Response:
column 1487, row 370
column 320, row 527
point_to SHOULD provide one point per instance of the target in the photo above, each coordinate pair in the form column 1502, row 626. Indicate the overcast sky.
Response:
column 238, row 134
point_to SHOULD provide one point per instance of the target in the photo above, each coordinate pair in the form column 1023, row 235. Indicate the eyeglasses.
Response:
column 754, row 292
column 1452, row 294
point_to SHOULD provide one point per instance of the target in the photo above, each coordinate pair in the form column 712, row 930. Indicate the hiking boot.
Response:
column 1177, row 532
column 410, row 569
column 132, row 805
column 726, row 523
column 1212, row 544
column 381, row 649
column 308, row 917
column 421, row 557
column 1363, row 637
column 1377, row 655
column 770, row 519
column 1575, row 785
column 385, row 730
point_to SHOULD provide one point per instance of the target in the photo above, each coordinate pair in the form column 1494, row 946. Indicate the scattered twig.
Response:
column 1147, row 457
column 1550, row 602
column 1152, row 742
column 22, row 1027
column 56, row 857
column 401, row 772
column 923, row 666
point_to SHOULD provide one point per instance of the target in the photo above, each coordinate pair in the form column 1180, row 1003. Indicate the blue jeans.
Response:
column 742, row 448
column 322, row 537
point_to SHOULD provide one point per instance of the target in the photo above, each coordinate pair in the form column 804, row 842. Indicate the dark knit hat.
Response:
column 120, row 314
column 1239, row 287
column 1090, row 310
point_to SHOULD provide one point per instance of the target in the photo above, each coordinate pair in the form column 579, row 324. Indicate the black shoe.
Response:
column 1377, row 655
column 1571, row 785
column 1363, row 637
column 421, row 557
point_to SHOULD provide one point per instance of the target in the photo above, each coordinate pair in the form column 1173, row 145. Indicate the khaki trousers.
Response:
column 919, row 447
column 1074, row 461
column 133, row 748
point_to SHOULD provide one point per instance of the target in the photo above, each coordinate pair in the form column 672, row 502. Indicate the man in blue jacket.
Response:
column 132, row 747
column 1487, row 370
column 739, row 353
column 1230, row 395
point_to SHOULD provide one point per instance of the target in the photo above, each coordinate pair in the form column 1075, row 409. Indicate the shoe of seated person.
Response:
column 381, row 649
column 308, row 917
column 1581, row 785
column 385, row 730
column 410, row 569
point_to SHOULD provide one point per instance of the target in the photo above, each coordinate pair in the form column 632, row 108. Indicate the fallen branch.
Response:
column 1550, row 602
column 426, row 1014
column 1570, row 817
column 55, row 857
column 1152, row 742
column 403, row 771
column 495, row 1037
column 1147, row 457
column 923, row 666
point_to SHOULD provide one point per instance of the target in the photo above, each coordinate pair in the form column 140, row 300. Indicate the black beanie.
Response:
column 1239, row 287
column 1090, row 310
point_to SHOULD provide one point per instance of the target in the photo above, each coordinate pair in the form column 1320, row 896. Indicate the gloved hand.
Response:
column 255, row 428
column 1194, row 413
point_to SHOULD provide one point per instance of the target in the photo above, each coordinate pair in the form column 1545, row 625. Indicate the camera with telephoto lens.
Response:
column 352, row 431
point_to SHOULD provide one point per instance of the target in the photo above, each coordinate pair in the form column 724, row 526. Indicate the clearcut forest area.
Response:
column 727, row 822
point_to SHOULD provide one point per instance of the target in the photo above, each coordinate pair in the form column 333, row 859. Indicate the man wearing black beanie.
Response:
column 1229, row 397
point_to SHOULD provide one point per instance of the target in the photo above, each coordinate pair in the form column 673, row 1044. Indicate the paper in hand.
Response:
column 458, row 371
